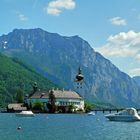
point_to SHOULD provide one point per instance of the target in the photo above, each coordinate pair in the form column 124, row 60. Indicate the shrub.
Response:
column 38, row 106
column 71, row 108
column 88, row 107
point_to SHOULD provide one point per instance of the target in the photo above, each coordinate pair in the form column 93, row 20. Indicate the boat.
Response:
column 25, row 114
column 128, row 115
column 91, row 113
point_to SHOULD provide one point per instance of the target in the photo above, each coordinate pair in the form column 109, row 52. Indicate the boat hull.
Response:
column 123, row 118
column 91, row 113
column 23, row 115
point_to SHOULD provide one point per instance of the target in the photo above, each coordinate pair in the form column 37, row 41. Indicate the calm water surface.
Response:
column 66, row 127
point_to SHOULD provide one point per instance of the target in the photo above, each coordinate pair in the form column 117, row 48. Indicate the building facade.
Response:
column 63, row 98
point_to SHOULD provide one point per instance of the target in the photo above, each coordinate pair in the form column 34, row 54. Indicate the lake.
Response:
column 66, row 127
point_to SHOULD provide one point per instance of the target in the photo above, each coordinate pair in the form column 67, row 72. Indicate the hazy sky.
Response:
column 112, row 27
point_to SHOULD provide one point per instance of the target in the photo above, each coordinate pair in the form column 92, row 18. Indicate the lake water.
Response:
column 66, row 127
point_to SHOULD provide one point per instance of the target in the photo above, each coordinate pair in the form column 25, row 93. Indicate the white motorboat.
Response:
column 91, row 113
column 25, row 114
column 129, row 114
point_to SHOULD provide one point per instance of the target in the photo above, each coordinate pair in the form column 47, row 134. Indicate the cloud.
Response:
column 124, row 44
column 55, row 7
column 123, row 49
column 54, row 11
column 118, row 21
column 134, row 72
column 137, row 57
column 22, row 17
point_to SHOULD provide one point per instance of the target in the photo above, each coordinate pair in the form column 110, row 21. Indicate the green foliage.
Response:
column 16, row 75
column 71, row 108
column 61, row 109
column 88, row 107
column 38, row 106
column 20, row 96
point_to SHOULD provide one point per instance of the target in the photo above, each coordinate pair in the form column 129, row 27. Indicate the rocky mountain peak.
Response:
column 58, row 57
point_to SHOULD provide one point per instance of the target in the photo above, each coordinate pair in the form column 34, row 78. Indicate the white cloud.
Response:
column 122, row 37
column 55, row 7
column 54, row 11
column 22, row 17
column 134, row 72
column 121, row 51
column 118, row 21
column 124, row 44
column 137, row 57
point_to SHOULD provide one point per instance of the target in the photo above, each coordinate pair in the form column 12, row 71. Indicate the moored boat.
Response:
column 128, row 114
column 91, row 113
column 25, row 114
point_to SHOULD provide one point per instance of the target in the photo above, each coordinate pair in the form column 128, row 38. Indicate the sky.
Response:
column 112, row 27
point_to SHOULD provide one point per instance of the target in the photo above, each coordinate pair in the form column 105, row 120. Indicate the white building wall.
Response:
column 60, row 102
column 66, row 102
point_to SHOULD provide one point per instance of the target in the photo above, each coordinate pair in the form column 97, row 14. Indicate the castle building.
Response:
column 63, row 98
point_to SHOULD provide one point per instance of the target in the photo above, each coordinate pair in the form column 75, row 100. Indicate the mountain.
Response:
column 15, row 75
column 137, row 79
column 58, row 58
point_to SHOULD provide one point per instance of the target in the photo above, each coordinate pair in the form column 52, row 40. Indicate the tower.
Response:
column 79, row 78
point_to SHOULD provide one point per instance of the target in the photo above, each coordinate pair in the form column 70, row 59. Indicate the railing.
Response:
column 109, row 110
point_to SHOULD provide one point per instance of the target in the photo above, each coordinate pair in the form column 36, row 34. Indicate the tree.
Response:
column 19, row 96
column 71, row 108
column 88, row 107
column 51, row 105
column 38, row 106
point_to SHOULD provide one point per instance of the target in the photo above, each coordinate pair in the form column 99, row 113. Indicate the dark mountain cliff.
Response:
column 58, row 58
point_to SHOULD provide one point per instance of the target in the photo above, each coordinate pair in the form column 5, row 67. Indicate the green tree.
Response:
column 15, row 75
column 51, row 105
column 19, row 96
column 88, row 107
column 38, row 106
column 71, row 108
